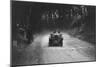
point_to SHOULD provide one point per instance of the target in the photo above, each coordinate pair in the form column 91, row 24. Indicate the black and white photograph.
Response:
column 45, row 33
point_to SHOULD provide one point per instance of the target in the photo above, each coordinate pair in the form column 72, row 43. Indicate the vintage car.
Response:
column 56, row 39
